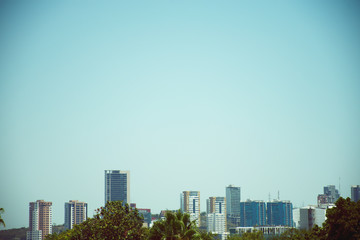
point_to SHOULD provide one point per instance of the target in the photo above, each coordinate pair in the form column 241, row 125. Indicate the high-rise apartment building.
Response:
column 279, row 213
column 216, row 215
column 75, row 213
column 117, row 186
column 233, row 197
column 252, row 213
column 40, row 220
column 355, row 193
column 190, row 203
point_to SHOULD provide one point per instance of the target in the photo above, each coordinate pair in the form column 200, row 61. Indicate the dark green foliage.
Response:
column 115, row 221
column 256, row 235
column 343, row 221
column 175, row 226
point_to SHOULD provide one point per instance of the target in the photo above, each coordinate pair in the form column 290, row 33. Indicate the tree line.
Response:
column 118, row 221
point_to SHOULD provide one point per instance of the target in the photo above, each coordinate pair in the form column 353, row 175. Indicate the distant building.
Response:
column 279, row 213
column 252, row 213
column 40, row 220
column 310, row 216
column 190, row 203
column 133, row 205
column 355, row 193
column 216, row 216
column 117, row 186
column 233, row 197
column 75, row 213
column 146, row 213
column 268, row 231
column 332, row 194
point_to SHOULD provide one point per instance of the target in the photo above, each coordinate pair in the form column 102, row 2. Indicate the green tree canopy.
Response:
column 114, row 221
column 175, row 226
column 343, row 221
column 256, row 235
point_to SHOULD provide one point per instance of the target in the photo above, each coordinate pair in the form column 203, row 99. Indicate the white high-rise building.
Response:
column 216, row 216
column 75, row 213
column 117, row 186
column 190, row 203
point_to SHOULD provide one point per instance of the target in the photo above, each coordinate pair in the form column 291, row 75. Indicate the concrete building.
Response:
column 311, row 216
column 216, row 216
column 117, row 186
column 40, row 220
column 233, row 197
column 252, row 213
column 75, row 213
column 279, row 213
column 190, row 203
column 355, row 193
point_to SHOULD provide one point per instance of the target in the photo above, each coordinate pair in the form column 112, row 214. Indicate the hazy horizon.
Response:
column 186, row 95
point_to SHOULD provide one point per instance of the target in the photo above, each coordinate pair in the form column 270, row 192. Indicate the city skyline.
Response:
column 184, row 95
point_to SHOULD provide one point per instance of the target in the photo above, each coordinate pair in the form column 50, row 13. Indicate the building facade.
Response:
column 252, row 213
column 75, row 213
column 40, row 220
column 279, row 213
column 311, row 216
column 233, row 197
column 117, row 186
column 355, row 193
column 190, row 203
column 216, row 216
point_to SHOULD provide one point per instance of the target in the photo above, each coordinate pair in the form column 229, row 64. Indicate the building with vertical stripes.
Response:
column 216, row 216
column 355, row 193
column 117, row 186
column 75, row 213
column 40, row 220
column 252, row 213
column 190, row 203
column 279, row 213
column 233, row 197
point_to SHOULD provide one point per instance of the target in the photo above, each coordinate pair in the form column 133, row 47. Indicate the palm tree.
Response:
column 176, row 226
column 2, row 220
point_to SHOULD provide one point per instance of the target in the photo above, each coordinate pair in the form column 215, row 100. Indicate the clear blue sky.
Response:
column 187, row 95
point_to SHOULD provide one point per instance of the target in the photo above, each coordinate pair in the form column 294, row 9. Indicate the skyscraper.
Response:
column 190, row 203
column 75, row 213
column 40, row 220
column 332, row 193
column 117, row 186
column 279, row 213
column 252, row 213
column 355, row 193
column 233, row 197
column 216, row 215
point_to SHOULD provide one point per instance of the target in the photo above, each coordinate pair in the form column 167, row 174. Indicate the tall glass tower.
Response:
column 279, row 213
column 117, row 186
column 233, row 206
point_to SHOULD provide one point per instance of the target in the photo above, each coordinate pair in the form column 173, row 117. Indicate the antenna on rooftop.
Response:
column 278, row 195
column 339, row 186
column 269, row 197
